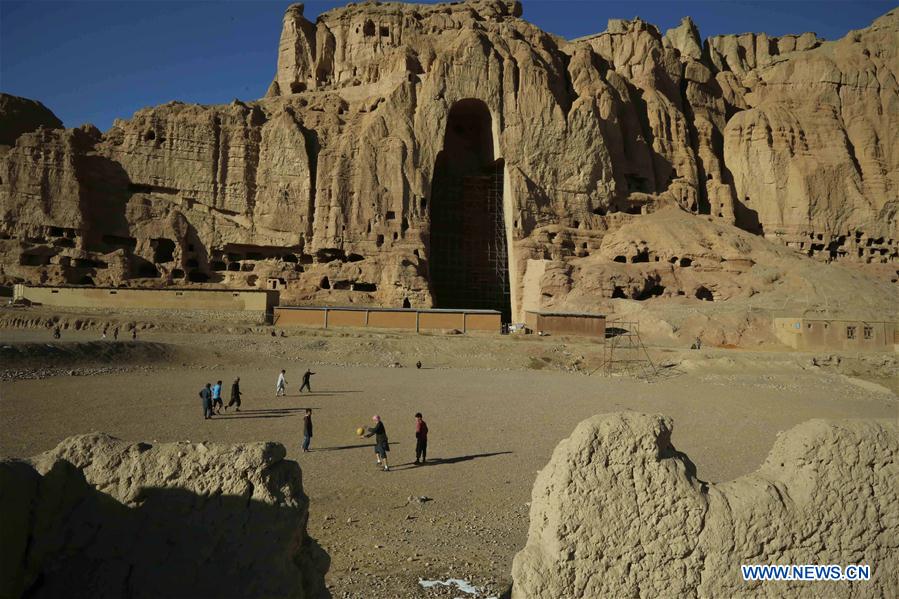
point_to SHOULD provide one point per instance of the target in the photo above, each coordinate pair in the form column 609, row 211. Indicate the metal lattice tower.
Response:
column 497, row 250
column 624, row 352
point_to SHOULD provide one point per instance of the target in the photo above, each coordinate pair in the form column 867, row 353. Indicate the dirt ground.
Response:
column 496, row 408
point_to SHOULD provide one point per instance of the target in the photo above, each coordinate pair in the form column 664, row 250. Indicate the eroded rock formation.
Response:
column 21, row 115
column 101, row 517
column 618, row 512
column 395, row 137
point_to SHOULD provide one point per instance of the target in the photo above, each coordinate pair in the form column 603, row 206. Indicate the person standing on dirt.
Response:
column 206, row 396
column 382, row 445
column 421, row 439
column 280, row 387
column 217, row 403
column 105, row 328
column 134, row 334
column 235, row 395
column 306, row 376
column 56, row 332
column 307, row 430
column 115, row 334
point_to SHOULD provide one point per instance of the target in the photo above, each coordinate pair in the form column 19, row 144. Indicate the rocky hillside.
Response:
column 334, row 186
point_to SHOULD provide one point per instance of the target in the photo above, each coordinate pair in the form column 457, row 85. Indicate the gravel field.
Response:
column 496, row 408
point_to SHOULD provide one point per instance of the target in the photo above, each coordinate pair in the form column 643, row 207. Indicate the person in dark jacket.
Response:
column 382, row 446
column 206, row 397
column 235, row 395
column 306, row 376
column 421, row 439
column 307, row 429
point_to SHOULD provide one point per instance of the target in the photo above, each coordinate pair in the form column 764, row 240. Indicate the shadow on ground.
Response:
column 444, row 461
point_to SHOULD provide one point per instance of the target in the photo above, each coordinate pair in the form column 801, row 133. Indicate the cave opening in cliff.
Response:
column 468, row 256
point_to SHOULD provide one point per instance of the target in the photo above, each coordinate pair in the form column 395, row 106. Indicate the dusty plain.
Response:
column 496, row 408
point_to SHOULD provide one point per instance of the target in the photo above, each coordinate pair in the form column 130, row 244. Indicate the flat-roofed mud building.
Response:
column 389, row 318
column 818, row 333
column 566, row 323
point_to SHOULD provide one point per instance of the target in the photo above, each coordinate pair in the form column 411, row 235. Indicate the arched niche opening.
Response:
column 468, row 246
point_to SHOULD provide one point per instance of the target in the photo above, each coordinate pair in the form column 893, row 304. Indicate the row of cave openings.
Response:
column 653, row 289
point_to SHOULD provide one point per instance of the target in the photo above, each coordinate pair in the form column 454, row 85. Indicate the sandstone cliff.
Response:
column 21, row 115
column 103, row 518
column 365, row 171
column 618, row 512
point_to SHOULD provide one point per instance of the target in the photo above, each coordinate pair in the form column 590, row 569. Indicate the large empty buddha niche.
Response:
column 469, row 266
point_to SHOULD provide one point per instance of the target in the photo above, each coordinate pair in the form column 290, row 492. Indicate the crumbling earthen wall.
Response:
column 618, row 512
column 100, row 517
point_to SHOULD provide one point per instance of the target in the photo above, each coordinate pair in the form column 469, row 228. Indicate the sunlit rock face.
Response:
column 400, row 139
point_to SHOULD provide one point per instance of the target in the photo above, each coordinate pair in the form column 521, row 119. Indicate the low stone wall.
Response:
column 100, row 517
column 618, row 512
column 160, row 299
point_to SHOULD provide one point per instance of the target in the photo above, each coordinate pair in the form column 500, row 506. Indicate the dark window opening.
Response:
column 88, row 263
column 326, row 255
column 247, row 267
column 196, row 276
column 163, row 250
column 618, row 292
column 379, row 241
column 641, row 256
column 636, row 183
column 416, row 254
column 34, row 260
column 673, row 259
column 217, row 265
column 234, row 266
column 290, row 258
column 125, row 242
column 86, row 280
column 342, row 285
column 385, row 31
column 704, row 294
column 368, row 29
column 621, row 259
column 177, row 273
column 147, row 270
column 391, row 215
column 325, row 283
column 407, row 303
column 364, row 287
column 354, row 258
column 150, row 135
column 869, row 332
column 650, row 291
column 686, row 262
column 850, row 332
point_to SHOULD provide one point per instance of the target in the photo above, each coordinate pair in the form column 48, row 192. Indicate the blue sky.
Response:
column 94, row 61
